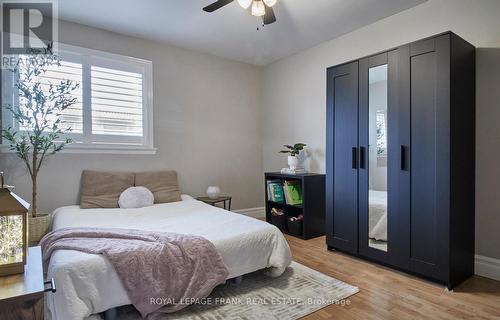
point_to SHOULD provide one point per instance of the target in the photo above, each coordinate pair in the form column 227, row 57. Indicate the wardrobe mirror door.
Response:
column 377, row 157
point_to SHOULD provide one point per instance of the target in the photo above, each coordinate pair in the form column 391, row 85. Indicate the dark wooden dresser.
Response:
column 22, row 296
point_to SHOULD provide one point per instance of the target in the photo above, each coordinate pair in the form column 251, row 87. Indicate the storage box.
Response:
column 294, row 227
column 278, row 221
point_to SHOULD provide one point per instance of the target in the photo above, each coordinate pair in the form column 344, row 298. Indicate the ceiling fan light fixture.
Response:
column 258, row 8
column 245, row 4
column 270, row 3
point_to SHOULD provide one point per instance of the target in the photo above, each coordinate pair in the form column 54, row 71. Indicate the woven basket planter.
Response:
column 38, row 227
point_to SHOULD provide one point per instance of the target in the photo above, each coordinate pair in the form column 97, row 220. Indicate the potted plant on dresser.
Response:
column 38, row 128
column 293, row 151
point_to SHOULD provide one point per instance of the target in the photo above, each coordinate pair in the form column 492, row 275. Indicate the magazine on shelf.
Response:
column 293, row 192
column 275, row 191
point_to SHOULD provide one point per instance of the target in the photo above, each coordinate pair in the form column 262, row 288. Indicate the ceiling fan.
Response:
column 260, row 8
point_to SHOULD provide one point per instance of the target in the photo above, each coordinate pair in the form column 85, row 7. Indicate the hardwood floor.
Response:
column 388, row 294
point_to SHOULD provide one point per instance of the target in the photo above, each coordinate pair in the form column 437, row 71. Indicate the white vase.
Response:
column 293, row 162
column 213, row 192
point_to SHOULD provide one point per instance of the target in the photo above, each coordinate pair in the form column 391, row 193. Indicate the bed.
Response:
column 87, row 284
column 377, row 223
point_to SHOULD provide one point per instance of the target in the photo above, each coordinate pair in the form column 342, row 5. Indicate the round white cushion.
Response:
column 136, row 197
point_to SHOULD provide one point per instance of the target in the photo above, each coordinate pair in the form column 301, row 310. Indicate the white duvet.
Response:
column 87, row 284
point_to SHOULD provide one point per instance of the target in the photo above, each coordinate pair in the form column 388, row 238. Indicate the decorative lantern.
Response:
column 13, row 232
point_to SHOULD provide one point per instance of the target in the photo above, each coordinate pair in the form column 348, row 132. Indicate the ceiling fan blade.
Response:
column 269, row 17
column 217, row 5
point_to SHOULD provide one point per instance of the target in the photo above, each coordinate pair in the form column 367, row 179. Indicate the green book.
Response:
column 293, row 193
column 275, row 191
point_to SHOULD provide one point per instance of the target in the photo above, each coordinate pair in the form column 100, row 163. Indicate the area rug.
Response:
column 298, row 292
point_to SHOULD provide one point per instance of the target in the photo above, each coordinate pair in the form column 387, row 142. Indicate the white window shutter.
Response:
column 117, row 102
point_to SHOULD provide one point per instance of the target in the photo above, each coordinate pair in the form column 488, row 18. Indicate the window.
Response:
column 116, row 102
column 114, row 108
column 72, row 117
column 381, row 134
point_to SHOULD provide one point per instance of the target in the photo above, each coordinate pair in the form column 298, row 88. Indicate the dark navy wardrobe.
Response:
column 422, row 137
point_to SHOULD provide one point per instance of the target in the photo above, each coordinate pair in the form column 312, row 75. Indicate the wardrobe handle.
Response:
column 354, row 157
column 362, row 157
column 403, row 158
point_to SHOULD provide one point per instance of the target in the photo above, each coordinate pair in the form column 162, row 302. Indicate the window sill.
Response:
column 79, row 148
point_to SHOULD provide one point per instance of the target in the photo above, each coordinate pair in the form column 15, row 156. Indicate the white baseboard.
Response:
column 487, row 267
column 257, row 213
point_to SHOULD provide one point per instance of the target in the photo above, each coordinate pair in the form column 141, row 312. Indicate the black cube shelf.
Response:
column 312, row 208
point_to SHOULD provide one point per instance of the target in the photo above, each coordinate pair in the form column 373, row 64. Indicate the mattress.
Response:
column 87, row 284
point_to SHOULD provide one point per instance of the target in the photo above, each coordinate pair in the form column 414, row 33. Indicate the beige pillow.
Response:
column 103, row 189
column 163, row 185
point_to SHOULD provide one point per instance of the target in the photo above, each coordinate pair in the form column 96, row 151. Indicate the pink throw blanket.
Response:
column 169, row 268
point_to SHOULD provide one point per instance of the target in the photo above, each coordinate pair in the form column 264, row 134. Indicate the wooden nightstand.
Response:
column 220, row 199
column 21, row 296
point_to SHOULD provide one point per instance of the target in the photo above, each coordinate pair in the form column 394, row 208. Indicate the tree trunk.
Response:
column 33, row 181
column 33, row 199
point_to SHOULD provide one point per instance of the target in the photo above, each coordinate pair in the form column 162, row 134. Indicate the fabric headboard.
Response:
column 163, row 185
column 102, row 189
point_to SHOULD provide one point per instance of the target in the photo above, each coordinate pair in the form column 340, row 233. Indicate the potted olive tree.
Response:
column 38, row 130
column 293, row 151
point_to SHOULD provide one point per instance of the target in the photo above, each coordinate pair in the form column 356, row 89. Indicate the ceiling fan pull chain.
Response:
column 260, row 23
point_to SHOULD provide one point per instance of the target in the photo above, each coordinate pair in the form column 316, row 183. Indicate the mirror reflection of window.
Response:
column 381, row 124
column 378, row 154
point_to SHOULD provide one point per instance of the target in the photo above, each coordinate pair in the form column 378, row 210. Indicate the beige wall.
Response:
column 206, row 125
column 488, row 152
column 294, row 92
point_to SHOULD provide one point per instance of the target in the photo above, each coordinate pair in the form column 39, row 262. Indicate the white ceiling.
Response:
column 231, row 32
